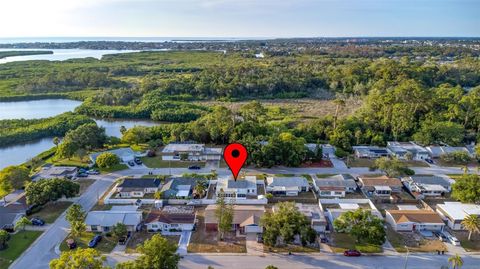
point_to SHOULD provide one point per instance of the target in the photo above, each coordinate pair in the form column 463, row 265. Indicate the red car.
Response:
column 352, row 253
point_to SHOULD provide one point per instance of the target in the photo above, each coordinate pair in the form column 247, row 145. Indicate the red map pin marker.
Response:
column 235, row 156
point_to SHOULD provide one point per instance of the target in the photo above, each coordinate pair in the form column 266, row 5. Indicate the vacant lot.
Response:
column 204, row 242
column 303, row 197
column 51, row 211
column 472, row 245
column 105, row 246
column 339, row 242
column 17, row 244
column 414, row 242
column 139, row 237
column 84, row 184
column 157, row 162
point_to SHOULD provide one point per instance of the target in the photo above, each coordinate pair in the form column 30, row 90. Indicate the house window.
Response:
column 106, row 229
column 338, row 193
column 174, row 225
column 154, row 226
column 94, row 228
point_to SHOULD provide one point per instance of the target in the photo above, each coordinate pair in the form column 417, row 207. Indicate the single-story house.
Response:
column 171, row 218
column 382, row 186
column 179, row 187
column 455, row 212
column 414, row 220
column 125, row 155
column 437, row 151
column 370, row 152
column 289, row 186
column 48, row 172
column 11, row 212
column 333, row 186
column 237, row 189
column 103, row 221
column 421, row 186
column 191, row 151
column 400, row 150
column 328, row 150
column 315, row 215
column 137, row 187
column 334, row 208
column 246, row 218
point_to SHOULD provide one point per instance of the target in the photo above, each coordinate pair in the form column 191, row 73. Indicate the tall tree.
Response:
column 17, row 176
column 339, row 104
column 363, row 225
column 4, row 235
column 155, row 253
column 224, row 214
column 77, row 228
column 120, row 230
column 22, row 222
column 75, row 213
column 79, row 258
column 467, row 188
column 471, row 224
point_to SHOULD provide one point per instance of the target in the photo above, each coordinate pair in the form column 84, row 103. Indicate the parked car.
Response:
column 93, row 172
column 259, row 238
column 440, row 236
column 131, row 163
column 71, row 243
column 352, row 253
column 452, row 239
column 138, row 161
column 194, row 167
column 81, row 174
column 93, row 243
column 122, row 240
column 430, row 161
column 37, row 222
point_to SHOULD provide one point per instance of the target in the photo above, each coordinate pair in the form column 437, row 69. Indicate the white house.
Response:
column 414, row 220
column 400, row 150
column 171, row 218
column 333, row 186
column 370, row 152
column 289, row 186
column 437, row 151
column 328, row 150
column 455, row 212
column 421, row 186
column 103, row 221
column 237, row 189
column 317, row 218
column 137, row 187
column 191, row 151
column 334, row 208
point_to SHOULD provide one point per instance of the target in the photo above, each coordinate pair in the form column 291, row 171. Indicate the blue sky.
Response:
column 240, row 18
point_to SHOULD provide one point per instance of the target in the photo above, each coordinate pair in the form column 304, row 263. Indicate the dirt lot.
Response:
column 472, row 245
column 140, row 237
column 204, row 242
column 303, row 197
column 414, row 241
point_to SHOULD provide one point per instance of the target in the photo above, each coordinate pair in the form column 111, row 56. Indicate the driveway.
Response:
column 253, row 247
column 183, row 242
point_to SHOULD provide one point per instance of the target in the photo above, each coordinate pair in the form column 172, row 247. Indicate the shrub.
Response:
column 107, row 160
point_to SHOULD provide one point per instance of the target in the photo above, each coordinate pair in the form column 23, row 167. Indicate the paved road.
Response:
column 322, row 261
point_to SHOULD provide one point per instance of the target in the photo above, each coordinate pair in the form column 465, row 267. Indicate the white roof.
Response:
column 183, row 193
column 432, row 187
column 110, row 218
column 348, row 206
column 124, row 208
column 459, row 211
column 407, row 207
column 173, row 147
column 382, row 188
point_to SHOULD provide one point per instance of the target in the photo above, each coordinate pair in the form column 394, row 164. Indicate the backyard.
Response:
column 51, row 211
column 17, row 244
column 204, row 242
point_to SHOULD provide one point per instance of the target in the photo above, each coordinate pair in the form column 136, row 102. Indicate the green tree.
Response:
column 363, row 225
column 107, row 160
column 4, row 236
column 155, row 253
column 120, row 230
column 200, row 189
column 467, row 189
column 271, row 267
column 471, row 224
column 79, row 258
column 77, row 228
column 224, row 215
column 432, row 132
column 86, row 136
column 43, row 191
column 457, row 157
column 22, row 222
column 392, row 167
column 136, row 135
column 123, row 130
column 339, row 104
column 16, row 176
column 456, row 261
column 75, row 213
column 285, row 223
column 56, row 141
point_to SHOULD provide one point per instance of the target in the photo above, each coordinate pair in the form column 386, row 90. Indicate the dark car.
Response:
column 93, row 243
column 131, row 163
column 122, row 240
column 138, row 161
column 352, row 253
column 430, row 161
column 82, row 175
column 71, row 243
column 259, row 238
column 93, row 172
column 194, row 167
column 37, row 222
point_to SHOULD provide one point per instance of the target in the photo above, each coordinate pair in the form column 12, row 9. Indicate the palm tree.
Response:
column 472, row 224
column 465, row 169
column 340, row 103
column 456, row 261
column 200, row 189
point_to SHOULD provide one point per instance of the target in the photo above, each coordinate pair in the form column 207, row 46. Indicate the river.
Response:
column 17, row 154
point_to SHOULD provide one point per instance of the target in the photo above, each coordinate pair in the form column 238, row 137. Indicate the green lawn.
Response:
column 17, row 244
column 105, row 246
column 360, row 162
column 51, row 211
column 117, row 167
column 157, row 162
column 342, row 241
column 325, row 175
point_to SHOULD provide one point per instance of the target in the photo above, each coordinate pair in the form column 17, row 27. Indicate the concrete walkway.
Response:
column 253, row 247
column 183, row 242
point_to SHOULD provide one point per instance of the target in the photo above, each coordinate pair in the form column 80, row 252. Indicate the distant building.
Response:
column 246, row 218
column 370, row 152
column 137, row 187
column 171, row 218
column 455, row 212
column 422, row 186
column 237, row 189
column 191, row 151
column 438, row 151
column 288, row 186
column 400, row 150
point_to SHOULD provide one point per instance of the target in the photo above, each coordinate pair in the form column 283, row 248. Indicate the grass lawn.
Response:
column 292, row 248
column 51, row 211
column 400, row 240
column 105, row 246
column 303, row 197
column 473, row 245
column 84, row 184
column 118, row 167
column 139, row 237
column 17, row 244
column 308, row 177
column 455, row 176
column 324, row 175
column 415, row 163
column 204, row 242
column 342, row 241
column 157, row 162
column 360, row 162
